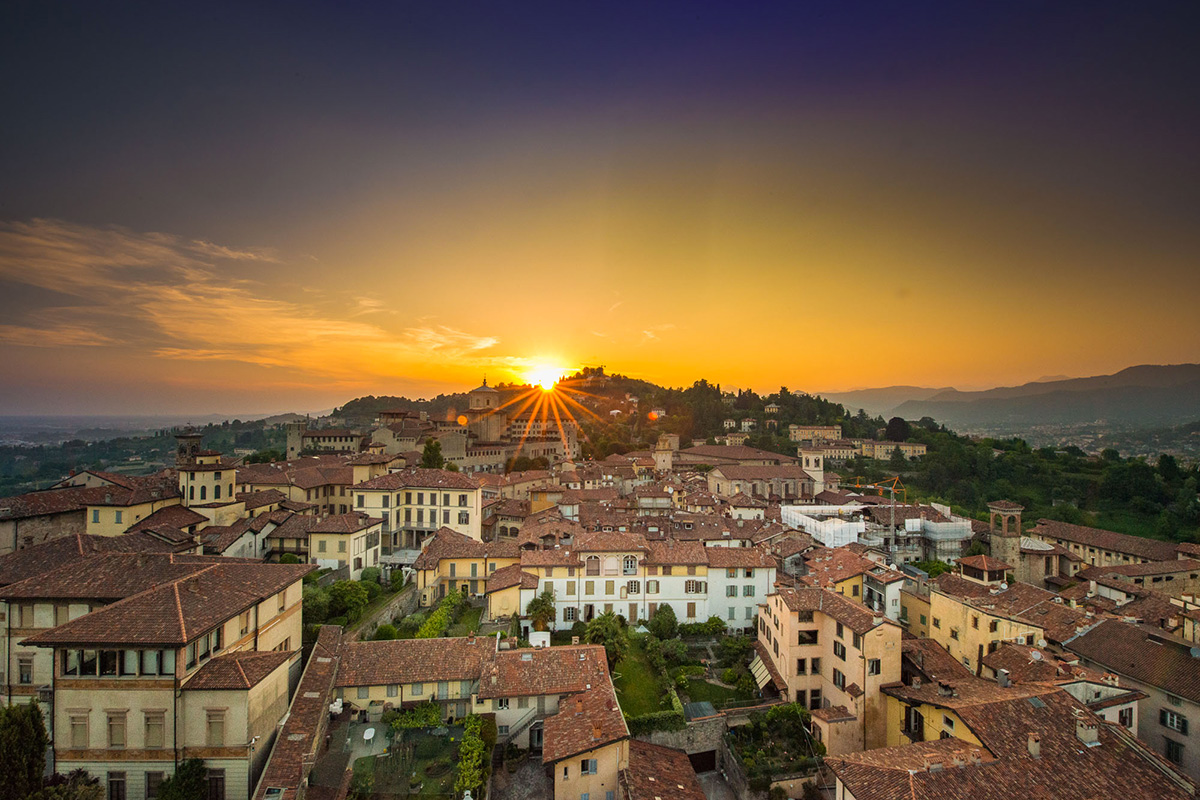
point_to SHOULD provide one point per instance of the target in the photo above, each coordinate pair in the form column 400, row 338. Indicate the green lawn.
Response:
column 637, row 684
column 700, row 690
column 467, row 623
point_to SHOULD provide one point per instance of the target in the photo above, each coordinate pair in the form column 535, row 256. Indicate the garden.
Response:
column 775, row 743
column 427, row 760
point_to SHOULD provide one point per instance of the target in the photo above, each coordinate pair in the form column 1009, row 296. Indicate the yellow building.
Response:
column 346, row 540
column 453, row 562
column 195, row 666
column 833, row 655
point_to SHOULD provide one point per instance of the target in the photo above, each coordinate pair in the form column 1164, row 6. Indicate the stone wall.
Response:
column 699, row 736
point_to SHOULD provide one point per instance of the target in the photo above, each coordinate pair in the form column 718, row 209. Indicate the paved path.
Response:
column 715, row 787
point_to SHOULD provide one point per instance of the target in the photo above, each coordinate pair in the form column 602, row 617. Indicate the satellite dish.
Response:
column 1003, row 586
column 1036, row 655
column 1041, row 642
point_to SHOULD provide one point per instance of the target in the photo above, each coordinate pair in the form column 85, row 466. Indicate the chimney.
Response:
column 578, row 705
column 1002, row 679
column 471, row 637
column 944, row 689
column 933, row 763
column 595, row 731
column 916, row 681
column 1091, row 589
column 1088, row 732
column 1034, row 743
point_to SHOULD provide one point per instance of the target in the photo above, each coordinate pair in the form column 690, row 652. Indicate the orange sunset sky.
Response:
column 261, row 217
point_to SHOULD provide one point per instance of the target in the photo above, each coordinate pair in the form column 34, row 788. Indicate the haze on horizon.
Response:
column 259, row 209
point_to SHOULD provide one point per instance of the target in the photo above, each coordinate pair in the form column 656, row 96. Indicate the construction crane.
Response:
column 893, row 484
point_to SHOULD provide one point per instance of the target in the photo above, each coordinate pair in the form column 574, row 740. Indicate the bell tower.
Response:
column 1004, row 530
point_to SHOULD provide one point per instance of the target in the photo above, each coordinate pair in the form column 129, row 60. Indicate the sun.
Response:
column 544, row 376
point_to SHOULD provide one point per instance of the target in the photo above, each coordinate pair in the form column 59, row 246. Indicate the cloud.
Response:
column 178, row 299
column 651, row 334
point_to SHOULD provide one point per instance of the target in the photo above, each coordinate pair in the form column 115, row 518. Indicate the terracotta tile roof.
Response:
column 585, row 721
column 673, row 552
column 610, row 542
column 962, row 691
column 413, row 661
column 176, row 516
column 447, row 543
column 732, row 453
column 158, row 487
column 985, row 563
column 512, row 575
column 660, row 773
column 550, row 558
column 301, row 737
column 294, row 526
column 353, row 522
column 1143, row 654
column 39, row 559
column 418, row 478
column 1005, row 505
column 1149, row 549
column 241, row 670
column 264, row 497
column 1149, row 568
column 177, row 612
column 105, row 576
column 828, row 567
column 786, row 471
column 1027, row 664
column 528, row 671
column 739, row 557
column 854, row 616
column 1020, row 601
column 219, row 538
column 834, row 714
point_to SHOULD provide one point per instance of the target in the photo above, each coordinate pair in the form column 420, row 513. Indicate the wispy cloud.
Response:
column 651, row 334
column 176, row 298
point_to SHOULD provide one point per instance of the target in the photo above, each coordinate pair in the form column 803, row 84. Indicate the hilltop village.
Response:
column 392, row 612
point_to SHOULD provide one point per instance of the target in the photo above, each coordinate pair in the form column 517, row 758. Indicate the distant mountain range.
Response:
column 1142, row 395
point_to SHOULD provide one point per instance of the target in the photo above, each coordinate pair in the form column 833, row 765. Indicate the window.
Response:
column 120, row 514
column 25, row 670
column 464, row 518
column 1174, row 751
column 96, row 511
column 814, row 666
column 588, row 766
column 839, row 680
column 948, row 721
column 501, row 729
column 446, row 517
column 393, row 689
column 593, row 565
column 732, row 613
column 691, row 587
column 79, row 731
column 418, row 689
column 500, row 703
column 462, row 500
column 652, row 570
column 839, row 650
column 1125, row 718
column 923, row 620
column 666, row 570
column 814, row 699
column 155, row 725
column 731, row 573
column 857, row 641
column 634, row 587
column 629, row 566
column 116, row 786
column 801, row 666
column 874, row 667
column 244, row 623
column 569, row 611
column 954, row 633
column 691, row 610
column 937, row 623
column 731, row 591
column 154, row 782
column 570, row 588
column 609, row 587
column 215, row 790
column 747, row 591
column 806, row 637
column 994, row 626
column 116, row 729
column 589, row 587
column 840, row 630
column 1176, row 722
column 215, row 731
column 651, row 587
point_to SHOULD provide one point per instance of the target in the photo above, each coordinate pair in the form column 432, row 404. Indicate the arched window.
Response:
column 217, row 492
column 191, row 493
column 630, row 565
column 203, row 492
column 610, row 565
column 593, row 565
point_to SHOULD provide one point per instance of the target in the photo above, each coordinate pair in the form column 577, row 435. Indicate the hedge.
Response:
column 443, row 617
column 656, row 721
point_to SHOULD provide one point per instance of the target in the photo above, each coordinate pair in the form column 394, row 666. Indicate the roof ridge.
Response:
column 238, row 663
column 179, row 609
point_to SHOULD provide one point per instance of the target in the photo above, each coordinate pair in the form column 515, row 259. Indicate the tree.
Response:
column 188, row 782
column 607, row 629
column 432, row 457
column 316, row 604
column 23, row 742
column 78, row 785
column 386, row 631
column 897, row 461
column 348, row 599
column 541, row 610
column 663, row 623
column 289, row 558
column 898, row 430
